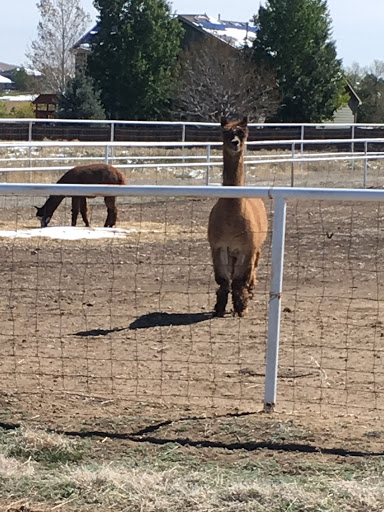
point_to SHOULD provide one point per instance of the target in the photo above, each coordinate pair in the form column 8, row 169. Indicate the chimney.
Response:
column 218, row 16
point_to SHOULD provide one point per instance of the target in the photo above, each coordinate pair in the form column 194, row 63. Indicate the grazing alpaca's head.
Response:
column 41, row 214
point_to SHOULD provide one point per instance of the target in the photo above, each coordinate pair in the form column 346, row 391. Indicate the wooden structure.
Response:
column 45, row 106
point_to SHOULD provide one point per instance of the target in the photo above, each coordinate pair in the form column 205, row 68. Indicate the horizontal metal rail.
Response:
column 146, row 144
column 288, row 193
column 288, row 159
column 181, row 123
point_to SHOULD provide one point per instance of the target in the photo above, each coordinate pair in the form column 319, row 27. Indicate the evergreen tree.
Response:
column 134, row 57
column 294, row 41
column 80, row 100
column 371, row 93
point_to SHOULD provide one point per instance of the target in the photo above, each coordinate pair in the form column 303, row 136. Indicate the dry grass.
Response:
column 168, row 478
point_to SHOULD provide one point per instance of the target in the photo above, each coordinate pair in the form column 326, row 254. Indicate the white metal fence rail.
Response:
column 280, row 196
column 207, row 159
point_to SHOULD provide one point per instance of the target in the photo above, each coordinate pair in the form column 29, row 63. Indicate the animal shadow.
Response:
column 152, row 320
column 168, row 319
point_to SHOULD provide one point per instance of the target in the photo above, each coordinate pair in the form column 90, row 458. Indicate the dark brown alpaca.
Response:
column 237, row 227
column 93, row 174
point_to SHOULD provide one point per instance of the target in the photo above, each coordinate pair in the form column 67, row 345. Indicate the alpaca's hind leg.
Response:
column 75, row 209
column 110, row 203
column 84, row 210
column 222, row 278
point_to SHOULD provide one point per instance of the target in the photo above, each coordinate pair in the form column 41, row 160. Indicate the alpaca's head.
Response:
column 42, row 216
column 235, row 134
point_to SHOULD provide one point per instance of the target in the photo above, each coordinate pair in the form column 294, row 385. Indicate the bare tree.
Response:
column 62, row 23
column 218, row 80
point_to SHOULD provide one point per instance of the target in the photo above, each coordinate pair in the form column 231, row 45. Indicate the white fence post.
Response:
column 353, row 144
column 112, row 140
column 365, row 164
column 30, row 149
column 183, row 140
column 106, row 154
column 272, row 356
column 293, row 165
column 208, row 160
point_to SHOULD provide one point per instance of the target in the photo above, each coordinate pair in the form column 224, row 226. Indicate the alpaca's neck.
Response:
column 51, row 204
column 233, row 169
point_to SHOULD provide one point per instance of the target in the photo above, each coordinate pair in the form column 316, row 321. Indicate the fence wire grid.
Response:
column 128, row 320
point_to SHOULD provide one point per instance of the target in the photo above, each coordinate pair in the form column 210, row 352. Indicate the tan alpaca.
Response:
column 92, row 174
column 237, row 228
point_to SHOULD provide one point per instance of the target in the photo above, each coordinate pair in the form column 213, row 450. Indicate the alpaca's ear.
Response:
column 223, row 121
column 244, row 122
column 37, row 208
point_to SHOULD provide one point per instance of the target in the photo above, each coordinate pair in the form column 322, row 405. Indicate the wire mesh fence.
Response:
column 128, row 318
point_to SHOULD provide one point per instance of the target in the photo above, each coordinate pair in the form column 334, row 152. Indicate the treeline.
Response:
column 140, row 68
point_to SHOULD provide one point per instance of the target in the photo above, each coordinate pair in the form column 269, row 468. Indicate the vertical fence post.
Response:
column 106, row 154
column 112, row 140
column 30, row 149
column 302, row 134
column 272, row 356
column 353, row 145
column 183, row 140
column 208, row 167
column 293, row 165
column 365, row 164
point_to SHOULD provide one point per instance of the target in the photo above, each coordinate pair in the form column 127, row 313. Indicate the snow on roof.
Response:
column 85, row 42
column 5, row 80
column 68, row 233
column 235, row 33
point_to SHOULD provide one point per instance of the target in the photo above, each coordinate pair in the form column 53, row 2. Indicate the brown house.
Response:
column 197, row 27
column 45, row 106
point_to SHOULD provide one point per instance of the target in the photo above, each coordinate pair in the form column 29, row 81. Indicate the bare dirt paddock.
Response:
column 116, row 334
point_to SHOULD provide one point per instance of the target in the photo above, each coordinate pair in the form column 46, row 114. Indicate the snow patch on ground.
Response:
column 68, row 233
column 19, row 97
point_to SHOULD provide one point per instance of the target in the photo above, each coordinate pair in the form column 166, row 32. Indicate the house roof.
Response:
column 235, row 33
column 5, row 80
column 85, row 42
column 352, row 91
column 45, row 98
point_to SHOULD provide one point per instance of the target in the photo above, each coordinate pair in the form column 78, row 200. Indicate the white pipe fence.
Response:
column 280, row 196
column 201, row 161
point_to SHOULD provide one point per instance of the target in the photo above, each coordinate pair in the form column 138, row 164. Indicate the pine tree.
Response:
column 134, row 57
column 80, row 100
column 294, row 40
column 371, row 93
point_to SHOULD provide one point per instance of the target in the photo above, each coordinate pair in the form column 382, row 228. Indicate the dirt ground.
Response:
column 116, row 335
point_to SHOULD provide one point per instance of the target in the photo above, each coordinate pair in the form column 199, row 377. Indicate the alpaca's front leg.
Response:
column 243, row 281
column 222, row 278
column 75, row 209
column 84, row 211
column 110, row 203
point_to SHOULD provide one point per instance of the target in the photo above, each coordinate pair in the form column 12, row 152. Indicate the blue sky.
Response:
column 357, row 26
